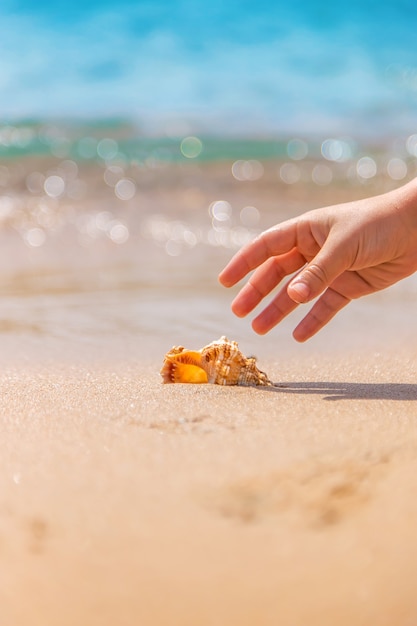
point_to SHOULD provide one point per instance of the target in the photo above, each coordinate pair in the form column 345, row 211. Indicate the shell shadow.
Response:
column 348, row 391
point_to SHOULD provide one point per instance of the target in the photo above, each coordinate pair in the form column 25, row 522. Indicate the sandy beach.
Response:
column 141, row 145
column 125, row 501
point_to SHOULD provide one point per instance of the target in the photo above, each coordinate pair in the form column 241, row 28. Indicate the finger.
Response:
column 330, row 303
column 273, row 242
column 265, row 279
column 329, row 263
column 274, row 313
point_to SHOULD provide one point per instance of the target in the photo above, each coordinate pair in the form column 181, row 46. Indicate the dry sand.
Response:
column 128, row 502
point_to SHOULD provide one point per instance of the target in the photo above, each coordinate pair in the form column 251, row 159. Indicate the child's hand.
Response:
column 343, row 252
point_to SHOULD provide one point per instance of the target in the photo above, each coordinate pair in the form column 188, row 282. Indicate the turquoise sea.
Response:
column 176, row 66
column 142, row 143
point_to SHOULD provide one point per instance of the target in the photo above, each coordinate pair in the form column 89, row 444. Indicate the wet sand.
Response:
column 125, row 501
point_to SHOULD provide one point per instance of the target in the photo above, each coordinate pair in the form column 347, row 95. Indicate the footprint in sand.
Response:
column 200, row 424
column 34, row 530
column 318, row 494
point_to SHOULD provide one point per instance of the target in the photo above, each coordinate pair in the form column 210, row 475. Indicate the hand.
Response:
column 340, row 253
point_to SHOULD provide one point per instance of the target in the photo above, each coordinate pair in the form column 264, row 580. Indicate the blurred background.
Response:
column 267, row 67
column 143, row 142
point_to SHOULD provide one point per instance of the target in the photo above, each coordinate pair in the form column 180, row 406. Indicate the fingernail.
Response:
column 300, row 291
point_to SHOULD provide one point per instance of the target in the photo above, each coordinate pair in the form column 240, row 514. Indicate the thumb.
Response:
column 315, row 277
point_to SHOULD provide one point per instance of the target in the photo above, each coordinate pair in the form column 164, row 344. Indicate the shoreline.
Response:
column 125, row 501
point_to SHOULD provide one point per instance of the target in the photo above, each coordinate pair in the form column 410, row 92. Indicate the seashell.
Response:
column 220, row 362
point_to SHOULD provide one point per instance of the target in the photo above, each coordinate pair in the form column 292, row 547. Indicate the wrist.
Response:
column 405, row 202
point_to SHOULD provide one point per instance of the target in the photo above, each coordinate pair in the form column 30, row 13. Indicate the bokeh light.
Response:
column 247, row 170
column 250, row 216
column 191, row 147
column 322, row 174
column 397, row 168
column 107, row 149
column 35, row 182
column 290, row 173
column 336, row 150
column 112, row 175
column 366, row 167
column 411, row 145
column 35, row 237
column 125, row 189
column 220, row 210
column 54, row 186
column 119, row 233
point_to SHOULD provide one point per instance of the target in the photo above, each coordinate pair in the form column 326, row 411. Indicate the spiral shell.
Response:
column 220, row 362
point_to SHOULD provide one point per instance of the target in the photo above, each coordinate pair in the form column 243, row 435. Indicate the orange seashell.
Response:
column 220, row 362
column 183, row 366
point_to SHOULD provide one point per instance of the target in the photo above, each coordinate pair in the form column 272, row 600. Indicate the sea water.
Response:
column 239, row 66
column 141, row 144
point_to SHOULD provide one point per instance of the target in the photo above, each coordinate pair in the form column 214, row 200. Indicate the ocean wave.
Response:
column 232, row 67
